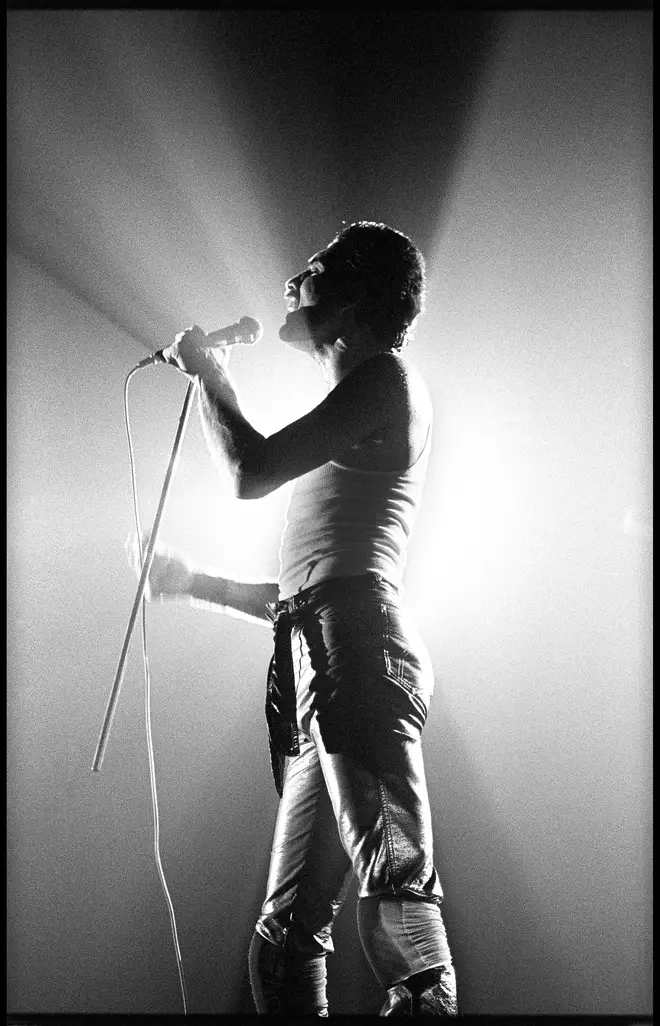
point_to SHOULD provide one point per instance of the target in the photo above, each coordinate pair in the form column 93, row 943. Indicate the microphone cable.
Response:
column 147, row 713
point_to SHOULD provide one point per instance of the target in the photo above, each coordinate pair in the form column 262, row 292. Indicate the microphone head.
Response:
column 249, row 331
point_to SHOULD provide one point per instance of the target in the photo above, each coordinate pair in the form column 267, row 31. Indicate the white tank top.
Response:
column 343, row 522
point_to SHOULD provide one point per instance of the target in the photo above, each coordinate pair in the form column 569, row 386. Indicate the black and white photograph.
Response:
column 329, row 530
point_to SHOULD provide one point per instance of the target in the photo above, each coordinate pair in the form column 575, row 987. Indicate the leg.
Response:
column 384, row 820
column 410, row 938
column 307, row 883
column 432, row 992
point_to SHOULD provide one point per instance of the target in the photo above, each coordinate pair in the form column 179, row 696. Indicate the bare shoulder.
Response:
column 400, row 439
column 417, row 388
column 420, row 409
column 408, row 387
column 400, row 378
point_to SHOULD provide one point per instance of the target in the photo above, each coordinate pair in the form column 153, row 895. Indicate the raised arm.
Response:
column 369, row 398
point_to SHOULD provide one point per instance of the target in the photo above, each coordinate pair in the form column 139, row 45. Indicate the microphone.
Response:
column 245, row 332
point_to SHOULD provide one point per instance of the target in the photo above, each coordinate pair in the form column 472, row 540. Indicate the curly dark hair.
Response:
column 392, row 271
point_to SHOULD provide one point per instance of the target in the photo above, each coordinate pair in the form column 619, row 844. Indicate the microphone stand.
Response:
column 144, row 576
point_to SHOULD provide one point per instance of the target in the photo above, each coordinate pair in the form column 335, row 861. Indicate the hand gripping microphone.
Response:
column 245, row 332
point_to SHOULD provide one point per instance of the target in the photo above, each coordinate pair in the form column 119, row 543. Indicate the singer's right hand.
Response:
column 192, row 354
column 170, row 575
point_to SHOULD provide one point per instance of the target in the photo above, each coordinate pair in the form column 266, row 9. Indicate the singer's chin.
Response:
column 296, row 327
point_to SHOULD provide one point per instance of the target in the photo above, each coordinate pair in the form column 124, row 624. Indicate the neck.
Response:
column 341, row 357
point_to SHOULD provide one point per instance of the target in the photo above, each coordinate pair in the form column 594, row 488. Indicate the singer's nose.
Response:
column 293, row 284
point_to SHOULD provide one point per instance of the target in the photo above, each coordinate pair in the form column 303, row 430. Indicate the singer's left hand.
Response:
column 192, row 354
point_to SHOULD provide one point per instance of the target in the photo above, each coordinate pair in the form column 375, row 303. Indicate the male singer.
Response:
column 350, row 681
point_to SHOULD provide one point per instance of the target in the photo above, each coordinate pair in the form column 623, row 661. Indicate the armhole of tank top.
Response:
column 423, row 449
column 390, row 473
column 400, row 470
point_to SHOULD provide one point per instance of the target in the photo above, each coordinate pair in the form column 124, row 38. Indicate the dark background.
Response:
column 171, row 167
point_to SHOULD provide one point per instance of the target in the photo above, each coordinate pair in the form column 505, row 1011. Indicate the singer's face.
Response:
column 313, row 300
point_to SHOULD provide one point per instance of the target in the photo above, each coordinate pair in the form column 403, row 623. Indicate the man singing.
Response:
column 350, row 681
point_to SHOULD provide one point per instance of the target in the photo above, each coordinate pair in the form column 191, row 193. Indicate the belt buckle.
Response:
column 274, row 609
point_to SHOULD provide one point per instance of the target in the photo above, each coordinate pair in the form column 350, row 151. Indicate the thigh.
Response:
column 370, row 679
column 309, row 871
column 384, row 818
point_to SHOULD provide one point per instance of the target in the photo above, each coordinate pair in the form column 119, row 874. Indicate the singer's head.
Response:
column 363, row 291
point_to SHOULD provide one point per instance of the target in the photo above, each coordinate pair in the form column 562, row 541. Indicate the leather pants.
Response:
column 354, row 797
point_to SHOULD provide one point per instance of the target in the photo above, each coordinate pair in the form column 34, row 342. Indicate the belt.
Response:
column 364, row 582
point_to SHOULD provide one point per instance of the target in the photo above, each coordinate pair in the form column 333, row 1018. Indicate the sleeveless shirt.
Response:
column 343, row 522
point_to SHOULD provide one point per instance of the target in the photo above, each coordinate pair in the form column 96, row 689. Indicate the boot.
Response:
column 284, row 984
column 432, row 992
column 267, row 965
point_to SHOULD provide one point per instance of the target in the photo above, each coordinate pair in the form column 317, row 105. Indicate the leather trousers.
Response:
column 354, row 797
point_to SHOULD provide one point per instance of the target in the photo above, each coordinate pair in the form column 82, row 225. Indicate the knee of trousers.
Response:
column 383, row 813
column 390, row 844
column 422, row 887
column 294, row 934
column 389, row 860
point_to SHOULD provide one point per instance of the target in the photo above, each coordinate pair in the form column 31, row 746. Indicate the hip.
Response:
column 358, row 655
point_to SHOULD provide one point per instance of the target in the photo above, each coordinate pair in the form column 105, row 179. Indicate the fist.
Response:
column 170, row 575
column 192, row 354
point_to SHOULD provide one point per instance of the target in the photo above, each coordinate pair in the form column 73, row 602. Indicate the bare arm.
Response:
column 230, row 438
column 246, row 600
column 173, row 578
column 367, row 399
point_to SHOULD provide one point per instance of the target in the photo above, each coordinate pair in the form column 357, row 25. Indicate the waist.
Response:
column 342, row 522
column 333, row 587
